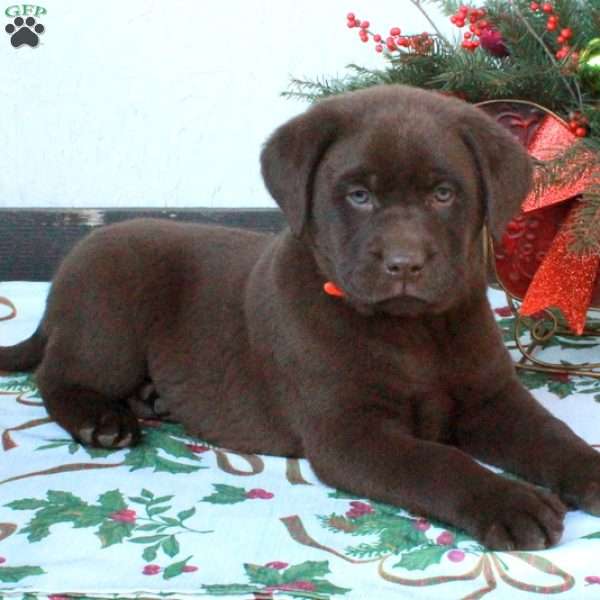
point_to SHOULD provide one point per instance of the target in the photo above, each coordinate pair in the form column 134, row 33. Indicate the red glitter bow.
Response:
column 563, row 280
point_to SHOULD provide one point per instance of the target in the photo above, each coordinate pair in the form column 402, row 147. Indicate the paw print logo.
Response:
column 24, row 31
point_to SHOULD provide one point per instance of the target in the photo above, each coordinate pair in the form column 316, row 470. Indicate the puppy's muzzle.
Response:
column 406, row 265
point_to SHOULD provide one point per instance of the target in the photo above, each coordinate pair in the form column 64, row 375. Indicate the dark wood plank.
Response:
column 33, row 241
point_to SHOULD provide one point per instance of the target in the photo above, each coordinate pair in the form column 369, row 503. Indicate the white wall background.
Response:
column 166, row 102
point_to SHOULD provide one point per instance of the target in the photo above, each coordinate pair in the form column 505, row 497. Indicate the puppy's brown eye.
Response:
column 443, row 194
column 360, row 198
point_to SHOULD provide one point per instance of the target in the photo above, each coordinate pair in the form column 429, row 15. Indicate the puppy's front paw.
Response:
column 519, row 516
column 581, row 488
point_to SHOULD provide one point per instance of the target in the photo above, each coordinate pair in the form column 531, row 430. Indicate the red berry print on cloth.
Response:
column 359, row 509
column 456, row 556
column 125, row 515
column 276, row 564
column 189, row 569
column 151, row 570
column 445, row 539
column 259, row 493
column 422, row 525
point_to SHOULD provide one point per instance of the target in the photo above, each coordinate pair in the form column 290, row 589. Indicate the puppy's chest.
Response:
column 413, row 384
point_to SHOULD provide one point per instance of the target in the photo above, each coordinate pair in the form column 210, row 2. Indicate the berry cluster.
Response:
column 553, row 24
column 395, row 41
column 477, row 25
column 359, row 509
column 578, row 123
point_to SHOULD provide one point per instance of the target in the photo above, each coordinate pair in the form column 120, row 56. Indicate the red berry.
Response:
column 395, row 31
column 363, row 35
column 566, row 33
column 551, row 25
column 534, row 6
column 351, row 24
column 125, row 515
column 405, row 42
column 151, row 570
column 276, row 564
column 581, row 132
column 365, row 25
column 460, row 22
column 463, row 9
column 378, row 48
column 547, row 7
column 560, row 39
column 421, row 524
column 2, row 559
column 468, row 35
column 453, row 19
column 377, row 38
column 553, row 19
column 573, row 126
column 483, row 24
column 456, row 555
column 445, row 538
column 390, row 43
column 259, row 493
column 189, row 569
column 350, row 16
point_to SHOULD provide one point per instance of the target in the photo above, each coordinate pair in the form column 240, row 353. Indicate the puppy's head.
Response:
column 391, row 187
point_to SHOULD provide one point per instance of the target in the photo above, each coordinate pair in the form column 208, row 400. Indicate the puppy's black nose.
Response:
column 404, row 264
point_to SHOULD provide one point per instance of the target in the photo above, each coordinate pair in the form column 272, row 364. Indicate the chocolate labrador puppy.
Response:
column 392, row 385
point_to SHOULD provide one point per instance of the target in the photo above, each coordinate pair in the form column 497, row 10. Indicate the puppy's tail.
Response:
column 24, row 356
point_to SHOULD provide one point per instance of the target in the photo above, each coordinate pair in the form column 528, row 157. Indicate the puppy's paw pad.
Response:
column 147, row 404
column 114, row 431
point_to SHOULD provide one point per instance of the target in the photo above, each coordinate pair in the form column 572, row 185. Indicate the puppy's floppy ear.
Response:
column 505, row 169
column 290, row 158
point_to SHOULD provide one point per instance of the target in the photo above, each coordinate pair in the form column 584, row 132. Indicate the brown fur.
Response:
column 389, row 391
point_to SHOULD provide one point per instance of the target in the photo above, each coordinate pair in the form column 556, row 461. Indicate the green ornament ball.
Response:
column 589, row 65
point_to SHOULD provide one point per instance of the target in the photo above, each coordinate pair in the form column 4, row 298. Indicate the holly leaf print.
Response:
column 175, row 569
column 420, row 559
column 226, row 494
column 16, row 574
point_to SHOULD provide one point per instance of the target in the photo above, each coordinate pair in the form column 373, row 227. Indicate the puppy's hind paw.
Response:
column 113, row 430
